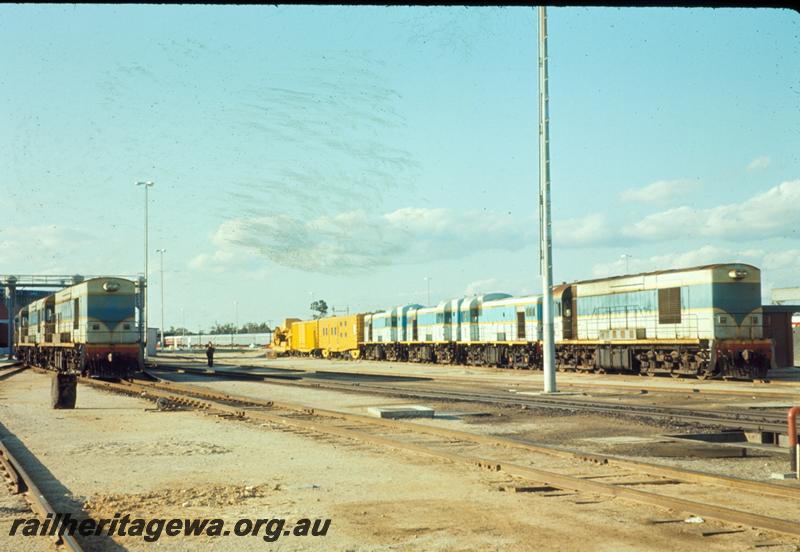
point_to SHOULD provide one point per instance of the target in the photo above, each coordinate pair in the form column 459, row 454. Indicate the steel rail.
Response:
column 20, row 482
column 183, row 394
column 758, row 422
column 687, row 475
column 11, row 369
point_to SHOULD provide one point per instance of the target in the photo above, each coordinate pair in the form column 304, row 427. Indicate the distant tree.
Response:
column 255, row 327
column 178, row 331
column 319, row 309
column 250, row 327
column 218, row 329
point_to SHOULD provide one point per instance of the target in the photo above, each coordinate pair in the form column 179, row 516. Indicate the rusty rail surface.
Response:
column 215, row 403
column 11, row 369
column 21, row 483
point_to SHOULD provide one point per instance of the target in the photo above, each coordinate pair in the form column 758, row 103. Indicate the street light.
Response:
column 626, row 257
column 428, row 279
column 162, row 251
column 545, row 230
column 147, row 185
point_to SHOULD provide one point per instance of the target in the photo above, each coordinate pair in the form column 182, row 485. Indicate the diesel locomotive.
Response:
column 86, row 329
column 704, row 321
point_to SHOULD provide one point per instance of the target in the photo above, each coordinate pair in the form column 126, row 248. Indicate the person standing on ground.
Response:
column 210, row 354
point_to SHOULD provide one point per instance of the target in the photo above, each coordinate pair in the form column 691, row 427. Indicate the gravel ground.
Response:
column 114, row 454
column 570, row 430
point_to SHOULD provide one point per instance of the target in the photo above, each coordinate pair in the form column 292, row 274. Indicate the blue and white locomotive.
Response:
column 88, row 328
column 703, row 321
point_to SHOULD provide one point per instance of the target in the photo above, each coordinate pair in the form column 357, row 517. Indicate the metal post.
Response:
column 9, row 326
column 428, row 279
column 142, row 332
column 162, row 251
column 145, row 306
column 146, row 303
column 545, row 237
column 626, row 257
column 11, row 295
column 236, row 325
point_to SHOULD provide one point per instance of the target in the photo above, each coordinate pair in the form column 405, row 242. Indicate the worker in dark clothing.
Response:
column 210, row 354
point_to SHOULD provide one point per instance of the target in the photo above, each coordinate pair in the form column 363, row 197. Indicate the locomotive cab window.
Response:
column 669, row 305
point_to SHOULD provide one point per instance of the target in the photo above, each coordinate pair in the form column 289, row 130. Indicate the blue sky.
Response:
column 346, row 153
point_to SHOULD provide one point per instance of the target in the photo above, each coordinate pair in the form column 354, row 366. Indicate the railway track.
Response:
column 556, row 471
column 774, row 422
column 20, row 482
column 10, row 369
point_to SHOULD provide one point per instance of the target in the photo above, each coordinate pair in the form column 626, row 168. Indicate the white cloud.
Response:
column 42, row 248
column 759, row 163
column 481, row 286
column 779, row 260
column 358, row 240
column 582, row 231
column 769, row 214
column 660, row 191
column 218, row 261
column 707, row 254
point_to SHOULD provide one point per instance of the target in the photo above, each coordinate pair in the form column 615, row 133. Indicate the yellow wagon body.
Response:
column 340, row 335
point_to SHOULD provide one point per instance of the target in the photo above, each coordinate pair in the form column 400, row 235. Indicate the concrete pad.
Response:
column 401, row 411
column 684, row 450
column 783, row 476
column 462, row 413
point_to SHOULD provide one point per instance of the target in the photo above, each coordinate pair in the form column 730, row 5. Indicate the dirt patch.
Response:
column 156, row 502
column 171, row 447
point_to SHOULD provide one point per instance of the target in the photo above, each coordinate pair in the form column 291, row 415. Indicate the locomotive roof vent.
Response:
column 737, row 274
column 111, row 287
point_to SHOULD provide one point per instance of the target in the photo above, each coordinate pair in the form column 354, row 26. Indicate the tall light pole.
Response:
column 183, row 327
column 545, row 237
column 162, row 251
column 428, row 279
column 147, row 185
column 236, row 318
column 626, row 257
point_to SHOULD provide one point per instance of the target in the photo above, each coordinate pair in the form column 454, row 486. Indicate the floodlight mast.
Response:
column 545, row 235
